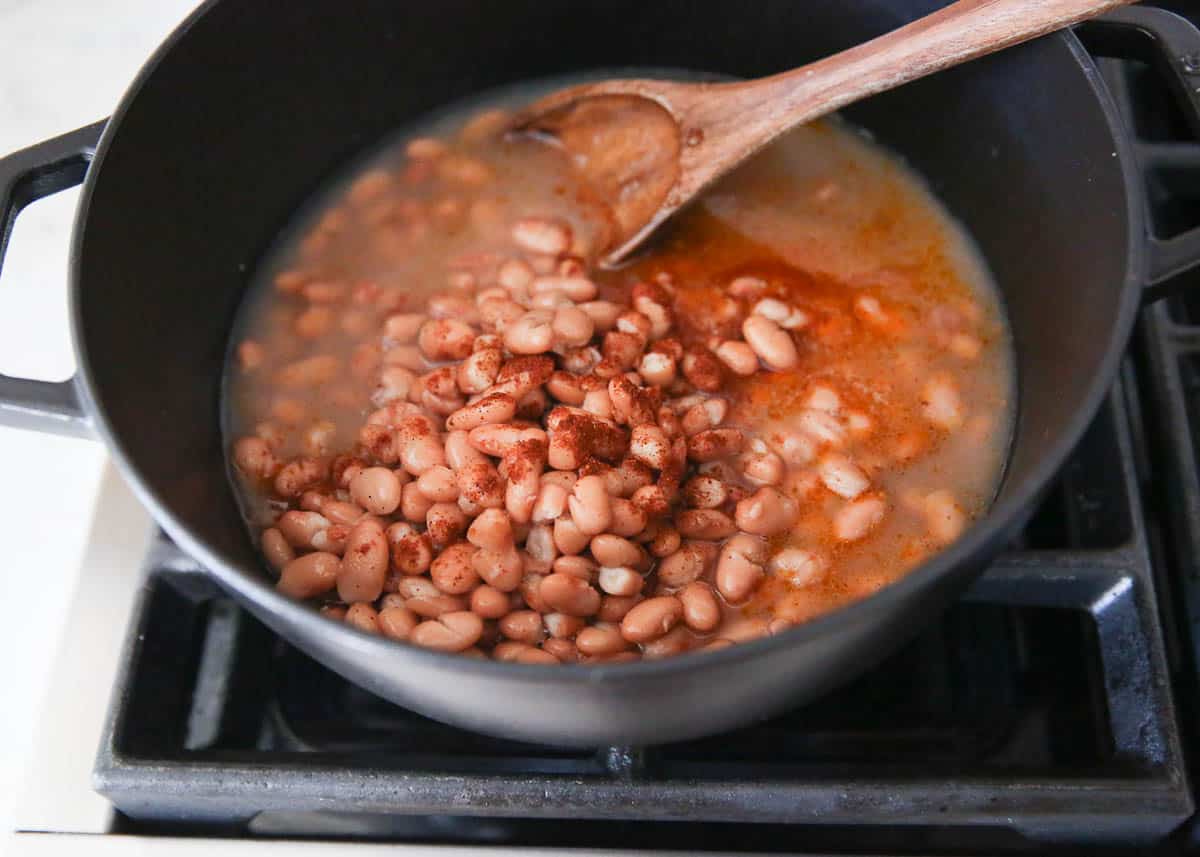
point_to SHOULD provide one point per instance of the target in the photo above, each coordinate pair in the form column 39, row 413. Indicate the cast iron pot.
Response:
column 243, row 112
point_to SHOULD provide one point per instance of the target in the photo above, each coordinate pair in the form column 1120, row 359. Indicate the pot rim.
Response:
column 983, row 538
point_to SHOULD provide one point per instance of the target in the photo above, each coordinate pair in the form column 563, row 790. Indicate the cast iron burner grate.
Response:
column 1038, row 714
column 1038, row 709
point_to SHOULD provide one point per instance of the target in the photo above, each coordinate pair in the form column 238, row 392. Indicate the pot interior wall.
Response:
column 251, row 109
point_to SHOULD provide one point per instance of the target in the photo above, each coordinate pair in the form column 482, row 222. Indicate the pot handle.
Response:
column 1171, row 44
column 27, row 176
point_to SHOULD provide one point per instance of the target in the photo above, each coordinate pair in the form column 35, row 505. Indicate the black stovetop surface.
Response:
column 1049, row 711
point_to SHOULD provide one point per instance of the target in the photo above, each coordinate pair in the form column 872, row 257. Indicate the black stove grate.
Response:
column 1037, row 714
column 1038, row 709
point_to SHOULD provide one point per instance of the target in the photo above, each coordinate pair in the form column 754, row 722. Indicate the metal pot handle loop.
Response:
column 27, row 176
column 1171, row 44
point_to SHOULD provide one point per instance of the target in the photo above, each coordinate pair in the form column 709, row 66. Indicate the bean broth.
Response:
column 820, row 298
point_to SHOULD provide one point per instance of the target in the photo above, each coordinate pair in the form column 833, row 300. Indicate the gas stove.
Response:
column 1051, row 710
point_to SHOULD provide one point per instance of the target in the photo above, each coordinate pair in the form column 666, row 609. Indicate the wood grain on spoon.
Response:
column 647, row 147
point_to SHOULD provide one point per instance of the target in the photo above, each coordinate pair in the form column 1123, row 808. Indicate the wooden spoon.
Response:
column 647, row 147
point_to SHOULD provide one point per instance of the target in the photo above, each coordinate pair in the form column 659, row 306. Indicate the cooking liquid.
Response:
column 825, row 218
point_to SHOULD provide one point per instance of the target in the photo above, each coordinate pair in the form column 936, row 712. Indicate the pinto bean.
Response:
column 524, row 626
column 842, row 476
column 665, row 542
column 396, row 622
column 740, row 567
column 565, row 387
column 763, row 468
column 649, row 445
column 941, row 403
column 426, row 600
column 438, row 483
column 651, row 619
column 299, row 475
column 460, row 453
column 675, row 642
column 377, row 489
column 479, row 483
column 613, row 550
column 773, row 345
column 797, row 566
column 601, row 639
column 568, row 538
column 402, row 328
column 492, row 531
column 576, row 566
column 445, row 339
column 254, row 458
column 690, row 562
column 597, row 402
column 332, row 540
column 944, row 519
column 654, row 302
column 487, row 602
column 445, row 523
column 514, row 274
column 540, row 548
column 785, row 315
column 412, row 553
column 561, row 628
column 705, row 492
column 300, row 528
column 276, row 549
column 495, row 440
column 704, row 415
column 738, row 357
column 532, row 333
column 550, row 504
column 496, row 408
column 453, row 571
column 627, row 519
column 572, row 326
column 420, row 448
column 614, row 607
column 657, row 368
column 604, row 314
column 619, row 580
column 522, row 653
column 715, row 444
column 704, row 524
column 523, row 464
column 564, row 593
column 309, row 576
column 414, row 505
column 702, row 369
column 364, row 563
column 858, row 517
column 479, row 371
column 363, row 617
column 590, row 506
column 701, row 610
column 767, row 512
column 542, row 235
column 450, row 632
column 501, row 569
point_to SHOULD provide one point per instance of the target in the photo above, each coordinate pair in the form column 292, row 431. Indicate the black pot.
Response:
column 242, row 114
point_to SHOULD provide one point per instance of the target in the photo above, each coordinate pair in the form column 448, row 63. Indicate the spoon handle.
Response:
column 950, row 36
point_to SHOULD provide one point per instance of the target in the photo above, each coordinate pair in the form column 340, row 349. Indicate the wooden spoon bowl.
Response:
column 648, row 147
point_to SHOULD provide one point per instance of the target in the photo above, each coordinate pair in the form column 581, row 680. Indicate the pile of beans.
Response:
column 543, row 475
